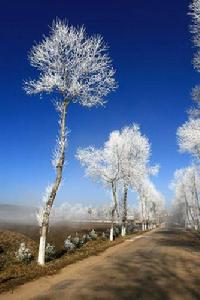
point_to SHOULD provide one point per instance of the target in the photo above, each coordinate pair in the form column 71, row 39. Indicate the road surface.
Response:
column 160, row 265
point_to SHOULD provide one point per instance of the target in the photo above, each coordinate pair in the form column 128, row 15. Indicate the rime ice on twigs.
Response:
column 77, row 69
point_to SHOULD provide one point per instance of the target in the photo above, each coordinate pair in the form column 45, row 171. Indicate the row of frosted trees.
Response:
column 122, row 164
column 186, row 183
column 186, row 186
column 76, row 68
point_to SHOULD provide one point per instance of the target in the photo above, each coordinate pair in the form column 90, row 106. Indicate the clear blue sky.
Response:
column 151, row 48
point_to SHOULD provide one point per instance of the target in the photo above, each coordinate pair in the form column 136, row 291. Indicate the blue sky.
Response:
column 151, row 48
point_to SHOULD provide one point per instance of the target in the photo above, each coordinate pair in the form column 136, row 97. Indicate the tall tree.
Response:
column 189, row 137
column 195, row 30
column 78, row 69
column 135, row 158
column 103, row 165
column 151, row 203
column 189, row 132
column 186, row 185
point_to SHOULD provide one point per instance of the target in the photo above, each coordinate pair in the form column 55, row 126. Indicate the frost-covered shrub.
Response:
column 68, row 245
column 116, row 231
column 104, row 237
column 23, row 254
column 93, row 234
column 75, row 241
column 81, row 242
column 50, row 252
column 86, row 238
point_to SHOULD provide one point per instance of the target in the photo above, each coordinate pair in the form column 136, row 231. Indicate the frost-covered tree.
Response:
column 154, row 205
column 151, row 203
column 185, row 180
column 194, row 12
column 189, row 132
column 103, row 212
column 122, row 164
column 186, row 187
column 103, row 165
column 135, row 157
column 195, row 30
column 77, row 69
column 189, row 137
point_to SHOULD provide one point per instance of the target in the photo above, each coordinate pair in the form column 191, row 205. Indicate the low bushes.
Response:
column 68, row 245
column 50, row 252
column 71, row 244
column 23, row 254
column 93, row 234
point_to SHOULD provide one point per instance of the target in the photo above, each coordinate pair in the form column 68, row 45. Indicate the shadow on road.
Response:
column 154, row 269
column 184, row 239
column 163, row 265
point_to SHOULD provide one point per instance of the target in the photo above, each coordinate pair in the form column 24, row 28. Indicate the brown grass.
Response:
column 57, row 232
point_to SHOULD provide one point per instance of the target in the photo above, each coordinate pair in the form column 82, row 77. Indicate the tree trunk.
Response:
column 143, row 226
column 146, row 225
column 187, row 212
column 143, row 217
column 124, row 217
column 197, row 202
column 111, row 232
column 123, row 230
column 42, row 246
column 113, row 210
column 52, row 195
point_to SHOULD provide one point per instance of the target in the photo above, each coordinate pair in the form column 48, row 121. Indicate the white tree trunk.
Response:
column 124, row 216
column 143, row 226
column 52, row 195
column 143, row 214
column 111, row 233
column 42, row 246
column 114, row 192
column 123, row 232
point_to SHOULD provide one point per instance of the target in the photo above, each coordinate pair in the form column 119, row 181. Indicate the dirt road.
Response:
column 164, row 265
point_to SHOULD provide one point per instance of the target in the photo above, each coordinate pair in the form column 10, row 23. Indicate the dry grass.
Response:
column 57, row 232
column 13, row 273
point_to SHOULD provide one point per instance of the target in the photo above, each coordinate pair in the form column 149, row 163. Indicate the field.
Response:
column 14, row 273
column 57, row 232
